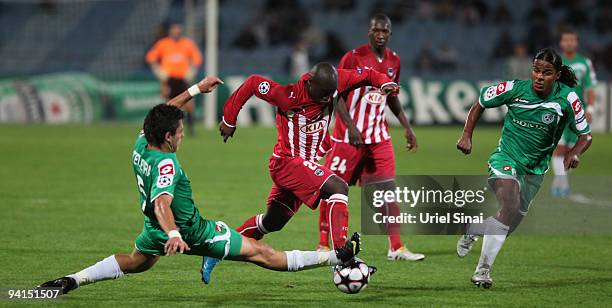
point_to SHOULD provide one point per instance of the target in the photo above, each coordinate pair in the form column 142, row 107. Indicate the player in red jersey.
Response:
column 361, row 144
column 303, row 115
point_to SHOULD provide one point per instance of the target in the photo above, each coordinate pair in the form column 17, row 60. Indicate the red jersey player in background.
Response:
column 361, row 144
column 303, row 115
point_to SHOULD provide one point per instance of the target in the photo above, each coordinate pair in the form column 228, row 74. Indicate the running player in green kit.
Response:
column 172, row 222
column 538, row 111
column 583, row 69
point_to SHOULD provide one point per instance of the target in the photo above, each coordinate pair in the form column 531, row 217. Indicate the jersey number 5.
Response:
column 142, row 191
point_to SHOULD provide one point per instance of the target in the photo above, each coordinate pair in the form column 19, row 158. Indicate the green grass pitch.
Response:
column 68, row 199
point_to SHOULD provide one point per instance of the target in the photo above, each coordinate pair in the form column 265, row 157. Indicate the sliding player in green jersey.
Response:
column 172, row 222
column 538, row 111
column 583, row 69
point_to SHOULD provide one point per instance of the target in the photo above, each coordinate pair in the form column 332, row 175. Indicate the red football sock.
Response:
column 253, row 228
column 323, row 223
column 393, row 229
column 338, row 219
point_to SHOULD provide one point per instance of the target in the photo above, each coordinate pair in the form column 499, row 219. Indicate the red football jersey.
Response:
column 301, row 123
column 366, row 104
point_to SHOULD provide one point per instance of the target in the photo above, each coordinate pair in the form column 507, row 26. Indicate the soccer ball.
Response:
column 352, row 278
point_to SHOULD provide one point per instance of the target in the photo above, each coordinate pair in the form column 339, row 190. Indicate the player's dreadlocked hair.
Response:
column 551, row 56
column 161, row 119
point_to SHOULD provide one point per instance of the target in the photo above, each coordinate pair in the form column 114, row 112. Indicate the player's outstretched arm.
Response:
column 349, row 80
column 206, row 85
column 343, row 114
column 590, row 96
column 164, row 215
column 262, row 87
column 398, row 111
column 572, row 159
column 465, row 142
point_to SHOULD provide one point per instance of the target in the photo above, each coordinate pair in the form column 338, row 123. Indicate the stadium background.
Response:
column 68, row 196
column 83, row 61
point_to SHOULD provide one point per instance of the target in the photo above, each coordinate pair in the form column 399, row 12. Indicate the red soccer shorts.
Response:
column 296, row 181
column 369, row 163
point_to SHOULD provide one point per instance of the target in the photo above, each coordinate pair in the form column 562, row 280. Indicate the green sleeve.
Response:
column 140, row 140
column 497, row 95
column 590, row 80
column 164, row 177
column 576, row 117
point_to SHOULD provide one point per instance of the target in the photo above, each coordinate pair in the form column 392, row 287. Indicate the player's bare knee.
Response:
column 508, row 195
column 336, row 185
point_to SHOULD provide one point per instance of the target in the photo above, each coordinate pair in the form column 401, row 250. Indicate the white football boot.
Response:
column 482, row 277
column 404, row 254
column 465, row 244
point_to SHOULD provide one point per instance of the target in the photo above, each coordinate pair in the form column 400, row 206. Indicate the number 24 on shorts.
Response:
column 338, row 164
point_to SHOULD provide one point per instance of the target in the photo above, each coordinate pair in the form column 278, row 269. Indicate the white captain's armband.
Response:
column 579, row 115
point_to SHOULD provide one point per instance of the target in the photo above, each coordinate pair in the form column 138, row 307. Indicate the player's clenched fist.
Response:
column 411, row 141
column 355, row 137
column 465, row 145
column 209, row 83
column 391, row 88
column 175, row 244
column 226, row 131
column 571, row 161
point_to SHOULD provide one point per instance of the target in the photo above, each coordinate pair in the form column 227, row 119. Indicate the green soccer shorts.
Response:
column 502, row 166
column 205, row 238
column 568, row 138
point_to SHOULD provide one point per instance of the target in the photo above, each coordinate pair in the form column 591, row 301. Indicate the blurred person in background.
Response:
column 298, row 61
column 583, row 69
column 446, row 58
column 502, row 15
column 334, row 48
column 503, row 46
column 175, row 60
column 519, row 64
column 424, row 60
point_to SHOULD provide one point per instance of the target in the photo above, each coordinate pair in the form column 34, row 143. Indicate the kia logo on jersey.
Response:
column 314, row 128
column 374, row 98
